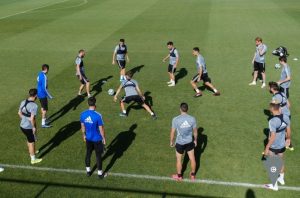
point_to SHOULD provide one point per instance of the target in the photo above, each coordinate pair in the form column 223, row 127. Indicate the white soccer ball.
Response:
column 277, row 66
column 111, row 92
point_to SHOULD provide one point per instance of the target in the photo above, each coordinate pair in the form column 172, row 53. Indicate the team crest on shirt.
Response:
column 185, row 124
column 88, row 120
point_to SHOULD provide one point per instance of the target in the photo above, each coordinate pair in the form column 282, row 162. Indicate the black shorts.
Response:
column 286, row 91
column 171, row 69
column 203, row 77
column 44, row 103
column 29, row 135
column 260, row 67
column 138, row 99
column 121, row 63
column 277, row 151
column 84, row 79
column 186, row 147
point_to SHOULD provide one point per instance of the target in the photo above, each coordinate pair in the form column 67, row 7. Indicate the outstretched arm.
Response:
column 164, row 60
column 172, row 134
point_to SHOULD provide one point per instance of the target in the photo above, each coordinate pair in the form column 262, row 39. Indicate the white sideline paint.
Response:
column 149, row 177
column 25, row 11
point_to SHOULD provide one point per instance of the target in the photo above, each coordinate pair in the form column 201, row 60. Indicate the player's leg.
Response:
column 263, row 74
column 99, row 151
column 44, row 109
column 89, row 150
column 211, row 86
column 281, row 175
column 122, row 106
column 179, row 152
column 256, row 68
column 191, row 155
column 87, row 87
column 148, row 109
column 122, row 73
column 193, row 82
column 172, row 77
column 80, row 89
column 31, row 145
column 170, row 67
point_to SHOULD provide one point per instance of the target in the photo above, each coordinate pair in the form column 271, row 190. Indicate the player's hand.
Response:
column 266, row 152
column 163, row 60
column 104, row 141
column 113, row 62
column 80, row 77
column 84, row 139
column 287, row 142
column 33, row 130
column 195, row 143
column 115, row 99
column 172, row 144
column 143, row 97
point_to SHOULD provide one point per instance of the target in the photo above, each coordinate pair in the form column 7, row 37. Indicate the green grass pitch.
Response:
column 33, row 32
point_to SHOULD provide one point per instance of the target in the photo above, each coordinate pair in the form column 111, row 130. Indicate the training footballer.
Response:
column 80, row 73
column 120, row 55
column 173, row 57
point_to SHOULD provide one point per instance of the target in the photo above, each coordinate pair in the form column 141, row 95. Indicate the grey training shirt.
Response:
column 260, row 58
column 184, row 125
column 200, row 64
column 130, row 87
column 285, row 72
column 32, row 109
column 278, row 126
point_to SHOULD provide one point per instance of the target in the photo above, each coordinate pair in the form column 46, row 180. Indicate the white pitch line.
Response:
column 149, row 177
column 25, row 11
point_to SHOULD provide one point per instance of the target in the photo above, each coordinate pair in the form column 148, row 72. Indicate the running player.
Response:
column 279, row 137
column 27, row 112
column 80, row 73
column 173, row 57
column 185, row 127
column 121, row 54
column 285, row 78
column 92, row 128
column 202, row 74
column 258, row 62
column 132, row 93
column 43, row 94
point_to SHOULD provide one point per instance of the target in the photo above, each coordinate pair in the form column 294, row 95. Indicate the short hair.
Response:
column 196, row 49
column 274, row 104
column 92, row 101
column 170, row 43
column 184, row 107
column 80, row 51
column 122, row 40
column 258, row 39
column 129, row 74
column 32, row 92
column 45, row 66
column 283, row 59
column 274, row 85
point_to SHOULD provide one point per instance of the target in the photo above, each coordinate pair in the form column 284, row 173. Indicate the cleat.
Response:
column 88, row 173
column 263, row 85
column 154, row 117
column 281, row 180
column 37, row 160
column 271, row 187
column 217, row 93
column 192, row 176
column 123, row 115
column 290, row 147
column 46, row 126
column 1, row 169
column 172, row 85
column 197, row 95
column 102, row 176
column 253, row 83
column 176, row 177
column 169, row 82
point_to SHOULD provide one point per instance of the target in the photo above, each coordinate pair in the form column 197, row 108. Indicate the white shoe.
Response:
column 253, row 83
column 171, row 85
column 263, row 85
column 272, row 187
column 89, row 95
column 281, row 180
column 169, row 82
column 1, row 169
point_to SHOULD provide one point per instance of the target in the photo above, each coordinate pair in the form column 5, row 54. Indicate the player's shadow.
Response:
column 200, row 148
column 72, row 104
column 250, row 194
column 135, row 106
column 63, row 134
column 268, row 113
column 136, row 69
column 97, row 86
column 119, row 145
column 181, row 74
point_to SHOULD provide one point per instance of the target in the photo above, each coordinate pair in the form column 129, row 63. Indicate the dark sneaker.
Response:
column 154, row 117
column 197, row 95
column 88, row 173
column 217, row 93
column 102, row 176
column 123, row 114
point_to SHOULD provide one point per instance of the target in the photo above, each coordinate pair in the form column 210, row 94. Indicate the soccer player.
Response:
column 185, row 127
column 258, row 62
column 278, row 138
column 43, row 94
column 202, row 74
column 132, row 93
column 92, row 128
column 173, row 57
column 80, row 73
column 121, row 54
column 27, row 112
column 285, row 78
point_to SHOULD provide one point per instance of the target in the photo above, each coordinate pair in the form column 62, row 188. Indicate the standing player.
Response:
column 27, row 112
column 185, row 127
column 285, row 78
column 132, row 93
column 278, row 138
column 80, row 73
column 43, row 94
column 92, row 128
column 202, row 74
column 120, row 54
column 173, row 57
column 258, row 62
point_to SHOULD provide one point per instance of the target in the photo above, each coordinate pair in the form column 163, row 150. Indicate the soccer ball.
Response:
column 111, row 92
column 277, row 66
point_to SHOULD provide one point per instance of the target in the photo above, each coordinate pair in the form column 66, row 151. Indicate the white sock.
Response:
column 215, row 90
column 152, row 113
column 124, row 111
column 197, row 90
column 281, row 175
column 32, row 157
column 100, row 172
column 88, row 169
column 43, row 121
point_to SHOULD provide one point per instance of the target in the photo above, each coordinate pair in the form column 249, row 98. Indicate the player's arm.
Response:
column 285, row 80
column 164, row 60
column 113, row 57
column 102, row 132
column 78, row 71
column 177, row 59
column 127, row 57
column 44, row 86
column 288, row 103
column 195, row 130
column 117, row 93
column 172, row 134
column 20, row 114
column 270, row 142
column 262, row 51
column 200, row 71
column 253, row 58
column 33, row 122
column 83, row 131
